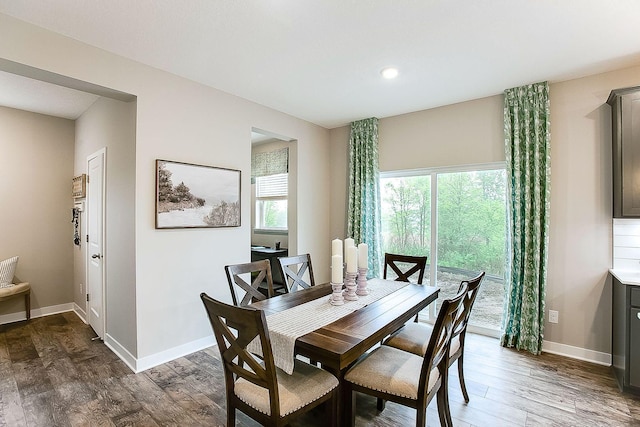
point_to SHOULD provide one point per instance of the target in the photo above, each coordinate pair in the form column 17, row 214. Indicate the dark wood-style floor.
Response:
column 52, row 374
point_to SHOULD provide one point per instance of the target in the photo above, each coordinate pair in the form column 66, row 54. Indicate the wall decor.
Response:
column 79, row 186
column 196, row 196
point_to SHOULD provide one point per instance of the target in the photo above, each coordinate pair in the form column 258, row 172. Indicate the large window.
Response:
column 456, row 217
column 271, row 202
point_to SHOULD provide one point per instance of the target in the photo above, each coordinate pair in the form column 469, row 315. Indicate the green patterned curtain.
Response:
column 527, row 141
column 363, row 216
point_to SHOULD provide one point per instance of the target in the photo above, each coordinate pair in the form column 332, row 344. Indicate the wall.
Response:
column 35, row 189
column 110, row 124
column 580, row 247
column 180, row 120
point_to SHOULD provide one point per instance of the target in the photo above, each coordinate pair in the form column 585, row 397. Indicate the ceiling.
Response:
column 320, row 60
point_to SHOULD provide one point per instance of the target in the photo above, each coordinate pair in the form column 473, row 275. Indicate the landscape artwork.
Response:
column 196, row 196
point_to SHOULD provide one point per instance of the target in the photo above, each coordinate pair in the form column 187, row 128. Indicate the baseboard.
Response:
column 124, row 355
column 36, row 312
column 80, row 312
column 579, row 353
column 156, row 359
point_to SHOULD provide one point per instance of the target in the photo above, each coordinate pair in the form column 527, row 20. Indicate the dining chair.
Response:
column 389, row 373
column 293, row 271
column 257, row 272
column 405, row 266
column 255, row 386
column 414, row 337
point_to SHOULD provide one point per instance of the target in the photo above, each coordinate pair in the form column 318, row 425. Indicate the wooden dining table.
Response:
column 338, row 345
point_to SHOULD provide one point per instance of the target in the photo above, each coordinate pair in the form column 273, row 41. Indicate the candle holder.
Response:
column 350, row 282
column 362, row 282
column 336, row 296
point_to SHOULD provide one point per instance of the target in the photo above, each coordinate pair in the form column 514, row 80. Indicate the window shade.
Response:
column 270, row 163
column 272, row 186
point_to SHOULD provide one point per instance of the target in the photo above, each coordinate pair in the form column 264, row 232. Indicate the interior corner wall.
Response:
column 36, row 169
column 110, row 124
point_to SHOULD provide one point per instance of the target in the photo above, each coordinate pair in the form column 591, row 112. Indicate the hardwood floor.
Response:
column 52, row 374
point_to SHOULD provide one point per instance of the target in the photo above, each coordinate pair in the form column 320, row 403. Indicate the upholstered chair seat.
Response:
column 414, row 338
column 393, row 371
column 304, row 386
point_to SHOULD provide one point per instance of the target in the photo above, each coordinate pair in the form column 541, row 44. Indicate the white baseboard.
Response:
column 124, row 354
column 156, row 359
column 80, row 312
column 36, row 312
column 579, row 353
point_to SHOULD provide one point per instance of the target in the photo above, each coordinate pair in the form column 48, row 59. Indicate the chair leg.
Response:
column 461, row 376
column 349, row 404
column 381, row 403
column 27, row 304
column 231, row 415
column 332, row 409
column 421, row 417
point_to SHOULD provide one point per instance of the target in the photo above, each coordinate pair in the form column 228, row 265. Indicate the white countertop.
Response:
column 626, row 277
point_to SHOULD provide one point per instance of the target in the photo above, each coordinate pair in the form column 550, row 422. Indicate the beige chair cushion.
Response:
column 414, row 337
column 392, row 371
column 12, row 290
column 307, row 384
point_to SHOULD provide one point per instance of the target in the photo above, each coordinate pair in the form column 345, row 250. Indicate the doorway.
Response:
column 95, row 239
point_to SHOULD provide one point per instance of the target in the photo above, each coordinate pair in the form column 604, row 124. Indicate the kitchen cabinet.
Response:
column 626, row 336
column 625, row 115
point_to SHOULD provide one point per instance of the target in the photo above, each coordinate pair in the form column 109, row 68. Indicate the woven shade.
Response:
column 270, row 163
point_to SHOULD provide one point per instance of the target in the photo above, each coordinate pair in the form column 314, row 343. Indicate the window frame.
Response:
column 259, row 228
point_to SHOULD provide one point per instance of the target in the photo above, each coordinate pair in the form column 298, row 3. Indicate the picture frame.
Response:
column 79, row 186
column 196, row 196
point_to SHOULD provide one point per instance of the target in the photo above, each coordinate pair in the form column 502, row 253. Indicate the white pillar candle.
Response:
column 336, row 269
column 352, row 259
column 349, row 242
column 336, row 247
column 363, row 255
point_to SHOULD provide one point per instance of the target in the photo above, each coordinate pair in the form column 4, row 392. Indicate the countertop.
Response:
column 626, row 277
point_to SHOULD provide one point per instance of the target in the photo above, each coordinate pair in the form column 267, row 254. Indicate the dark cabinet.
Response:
column 272, row 255
column 625, row 115
column 625, row 352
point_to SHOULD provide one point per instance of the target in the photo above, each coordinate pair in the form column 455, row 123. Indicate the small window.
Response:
column 271, row 202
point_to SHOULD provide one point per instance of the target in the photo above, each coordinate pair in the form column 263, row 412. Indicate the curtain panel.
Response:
column 527, row 145
column 363, row 214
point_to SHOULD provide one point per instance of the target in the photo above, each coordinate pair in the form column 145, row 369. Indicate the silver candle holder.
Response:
column 350, row 282
column 336, row 296
column 362, row 282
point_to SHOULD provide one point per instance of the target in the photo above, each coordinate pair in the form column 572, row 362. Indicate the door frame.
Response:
column 103, row 152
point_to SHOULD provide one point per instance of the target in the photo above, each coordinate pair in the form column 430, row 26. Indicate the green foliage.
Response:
column 471, row 218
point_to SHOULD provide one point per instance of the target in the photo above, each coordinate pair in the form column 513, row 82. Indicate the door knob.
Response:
column 95, row 256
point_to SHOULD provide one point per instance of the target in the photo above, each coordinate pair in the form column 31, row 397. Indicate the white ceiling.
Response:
column 320, row 59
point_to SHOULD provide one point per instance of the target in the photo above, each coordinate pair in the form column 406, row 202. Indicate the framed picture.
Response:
column 196, row 196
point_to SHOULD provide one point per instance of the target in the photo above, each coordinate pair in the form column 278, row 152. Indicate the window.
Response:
column 271, row 202
column 456, row 217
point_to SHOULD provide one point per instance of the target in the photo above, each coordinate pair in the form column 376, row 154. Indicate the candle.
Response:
column 352, row 259
column 349, row 242
column 336, row 247
column 363, row 255
column 336, row 269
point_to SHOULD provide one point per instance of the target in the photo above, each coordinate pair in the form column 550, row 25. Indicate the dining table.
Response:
column 339, row 344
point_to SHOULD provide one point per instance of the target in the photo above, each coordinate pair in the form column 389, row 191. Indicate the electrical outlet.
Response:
column 553, row 316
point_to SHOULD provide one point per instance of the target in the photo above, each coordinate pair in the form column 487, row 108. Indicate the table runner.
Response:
column 288, row 325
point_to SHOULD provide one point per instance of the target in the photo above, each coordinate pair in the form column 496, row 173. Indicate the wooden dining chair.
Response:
column 389, row 373
column 414, row 337
column 293, row 271
column 405, row 266
column 255, row 386
column 257, row 272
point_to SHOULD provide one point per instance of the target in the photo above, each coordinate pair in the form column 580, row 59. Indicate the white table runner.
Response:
column 288, row 325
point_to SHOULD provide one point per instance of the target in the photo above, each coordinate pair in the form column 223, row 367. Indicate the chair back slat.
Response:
column 473, row 286
column 405, row 266
column 438, row 348
column 234, row 328
column 258, row 271
column 293, row 271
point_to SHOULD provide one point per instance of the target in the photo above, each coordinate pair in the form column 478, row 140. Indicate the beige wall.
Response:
column 110, row 124
column 580, row 224
column 181, row 120
column 36, row 168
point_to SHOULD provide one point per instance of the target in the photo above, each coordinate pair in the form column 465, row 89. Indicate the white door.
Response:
column 95, row 237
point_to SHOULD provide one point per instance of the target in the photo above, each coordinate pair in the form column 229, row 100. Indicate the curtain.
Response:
column 527, row 145
column 363, row 215
column 269, row 163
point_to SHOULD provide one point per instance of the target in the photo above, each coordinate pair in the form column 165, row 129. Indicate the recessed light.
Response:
column 389, row 72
